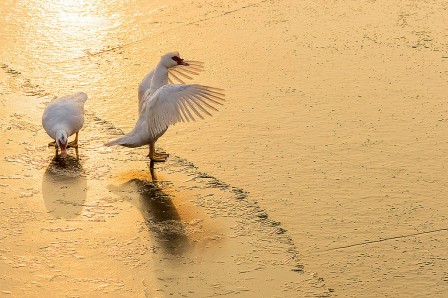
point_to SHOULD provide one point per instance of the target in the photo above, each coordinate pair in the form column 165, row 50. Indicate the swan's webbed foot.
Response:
column 159, row 157
column 156, row 157
column 162, row 155
column 73, row 144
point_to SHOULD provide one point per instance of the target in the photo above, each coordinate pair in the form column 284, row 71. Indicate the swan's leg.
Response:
column 162, row 154
column 56, row 147
column 154, row 156
column 74, row 143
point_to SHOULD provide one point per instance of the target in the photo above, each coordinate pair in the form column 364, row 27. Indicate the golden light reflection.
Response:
column 71, row 28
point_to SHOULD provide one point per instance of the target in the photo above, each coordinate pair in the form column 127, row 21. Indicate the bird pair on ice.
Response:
column 160, row 104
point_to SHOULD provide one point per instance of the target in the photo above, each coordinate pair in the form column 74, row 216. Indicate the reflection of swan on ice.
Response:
column 159, row 212
column 64, row 187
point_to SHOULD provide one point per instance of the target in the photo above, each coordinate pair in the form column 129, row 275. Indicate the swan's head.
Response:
column 172, row 59
column 62, row 141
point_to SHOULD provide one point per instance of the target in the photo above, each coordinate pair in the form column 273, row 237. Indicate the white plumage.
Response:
column 162, row 105
column 167, row 71
column 64, row 117
column 167, row 106
column 174, row 103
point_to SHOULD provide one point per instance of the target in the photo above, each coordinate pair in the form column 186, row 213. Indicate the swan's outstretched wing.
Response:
column 176, row 74
column 181, row 72
column 173, row 103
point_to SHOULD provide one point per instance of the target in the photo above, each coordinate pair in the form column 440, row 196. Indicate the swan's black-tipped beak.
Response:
column 63, row 150
column 182, row 62
column 179, row 61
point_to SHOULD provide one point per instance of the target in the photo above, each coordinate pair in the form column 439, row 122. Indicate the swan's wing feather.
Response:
column 182, row 73
column 77, row 98
column 176, row 74
column 171, row 73
column 193, row 67
column 80, row 97
column 175, row 103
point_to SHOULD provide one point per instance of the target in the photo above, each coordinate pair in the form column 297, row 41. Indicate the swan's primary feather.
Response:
column 174, row 74
column 167, row 106
column 173, row 103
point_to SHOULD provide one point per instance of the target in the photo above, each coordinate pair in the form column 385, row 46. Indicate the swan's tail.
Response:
column 113, row 143
column 125, row 141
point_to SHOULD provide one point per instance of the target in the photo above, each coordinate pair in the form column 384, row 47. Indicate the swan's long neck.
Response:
column 160, row 78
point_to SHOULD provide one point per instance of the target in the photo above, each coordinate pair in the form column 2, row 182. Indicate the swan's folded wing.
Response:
column 174, row 103
column 79, row 97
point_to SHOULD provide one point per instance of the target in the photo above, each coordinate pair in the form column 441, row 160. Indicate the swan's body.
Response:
column 167, row 70
column 166, row 106
column 158, row 103
column 64, row 117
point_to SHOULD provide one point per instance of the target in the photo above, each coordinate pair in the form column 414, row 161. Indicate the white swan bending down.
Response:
column 169, row 105
column 170, row 68
column 64, row 117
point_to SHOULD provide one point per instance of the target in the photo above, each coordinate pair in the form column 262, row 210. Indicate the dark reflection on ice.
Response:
column 161, row 215
column 64, row 188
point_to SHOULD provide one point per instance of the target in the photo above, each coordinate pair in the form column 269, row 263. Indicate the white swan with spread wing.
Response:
column 168, row 105
column 162, row 104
